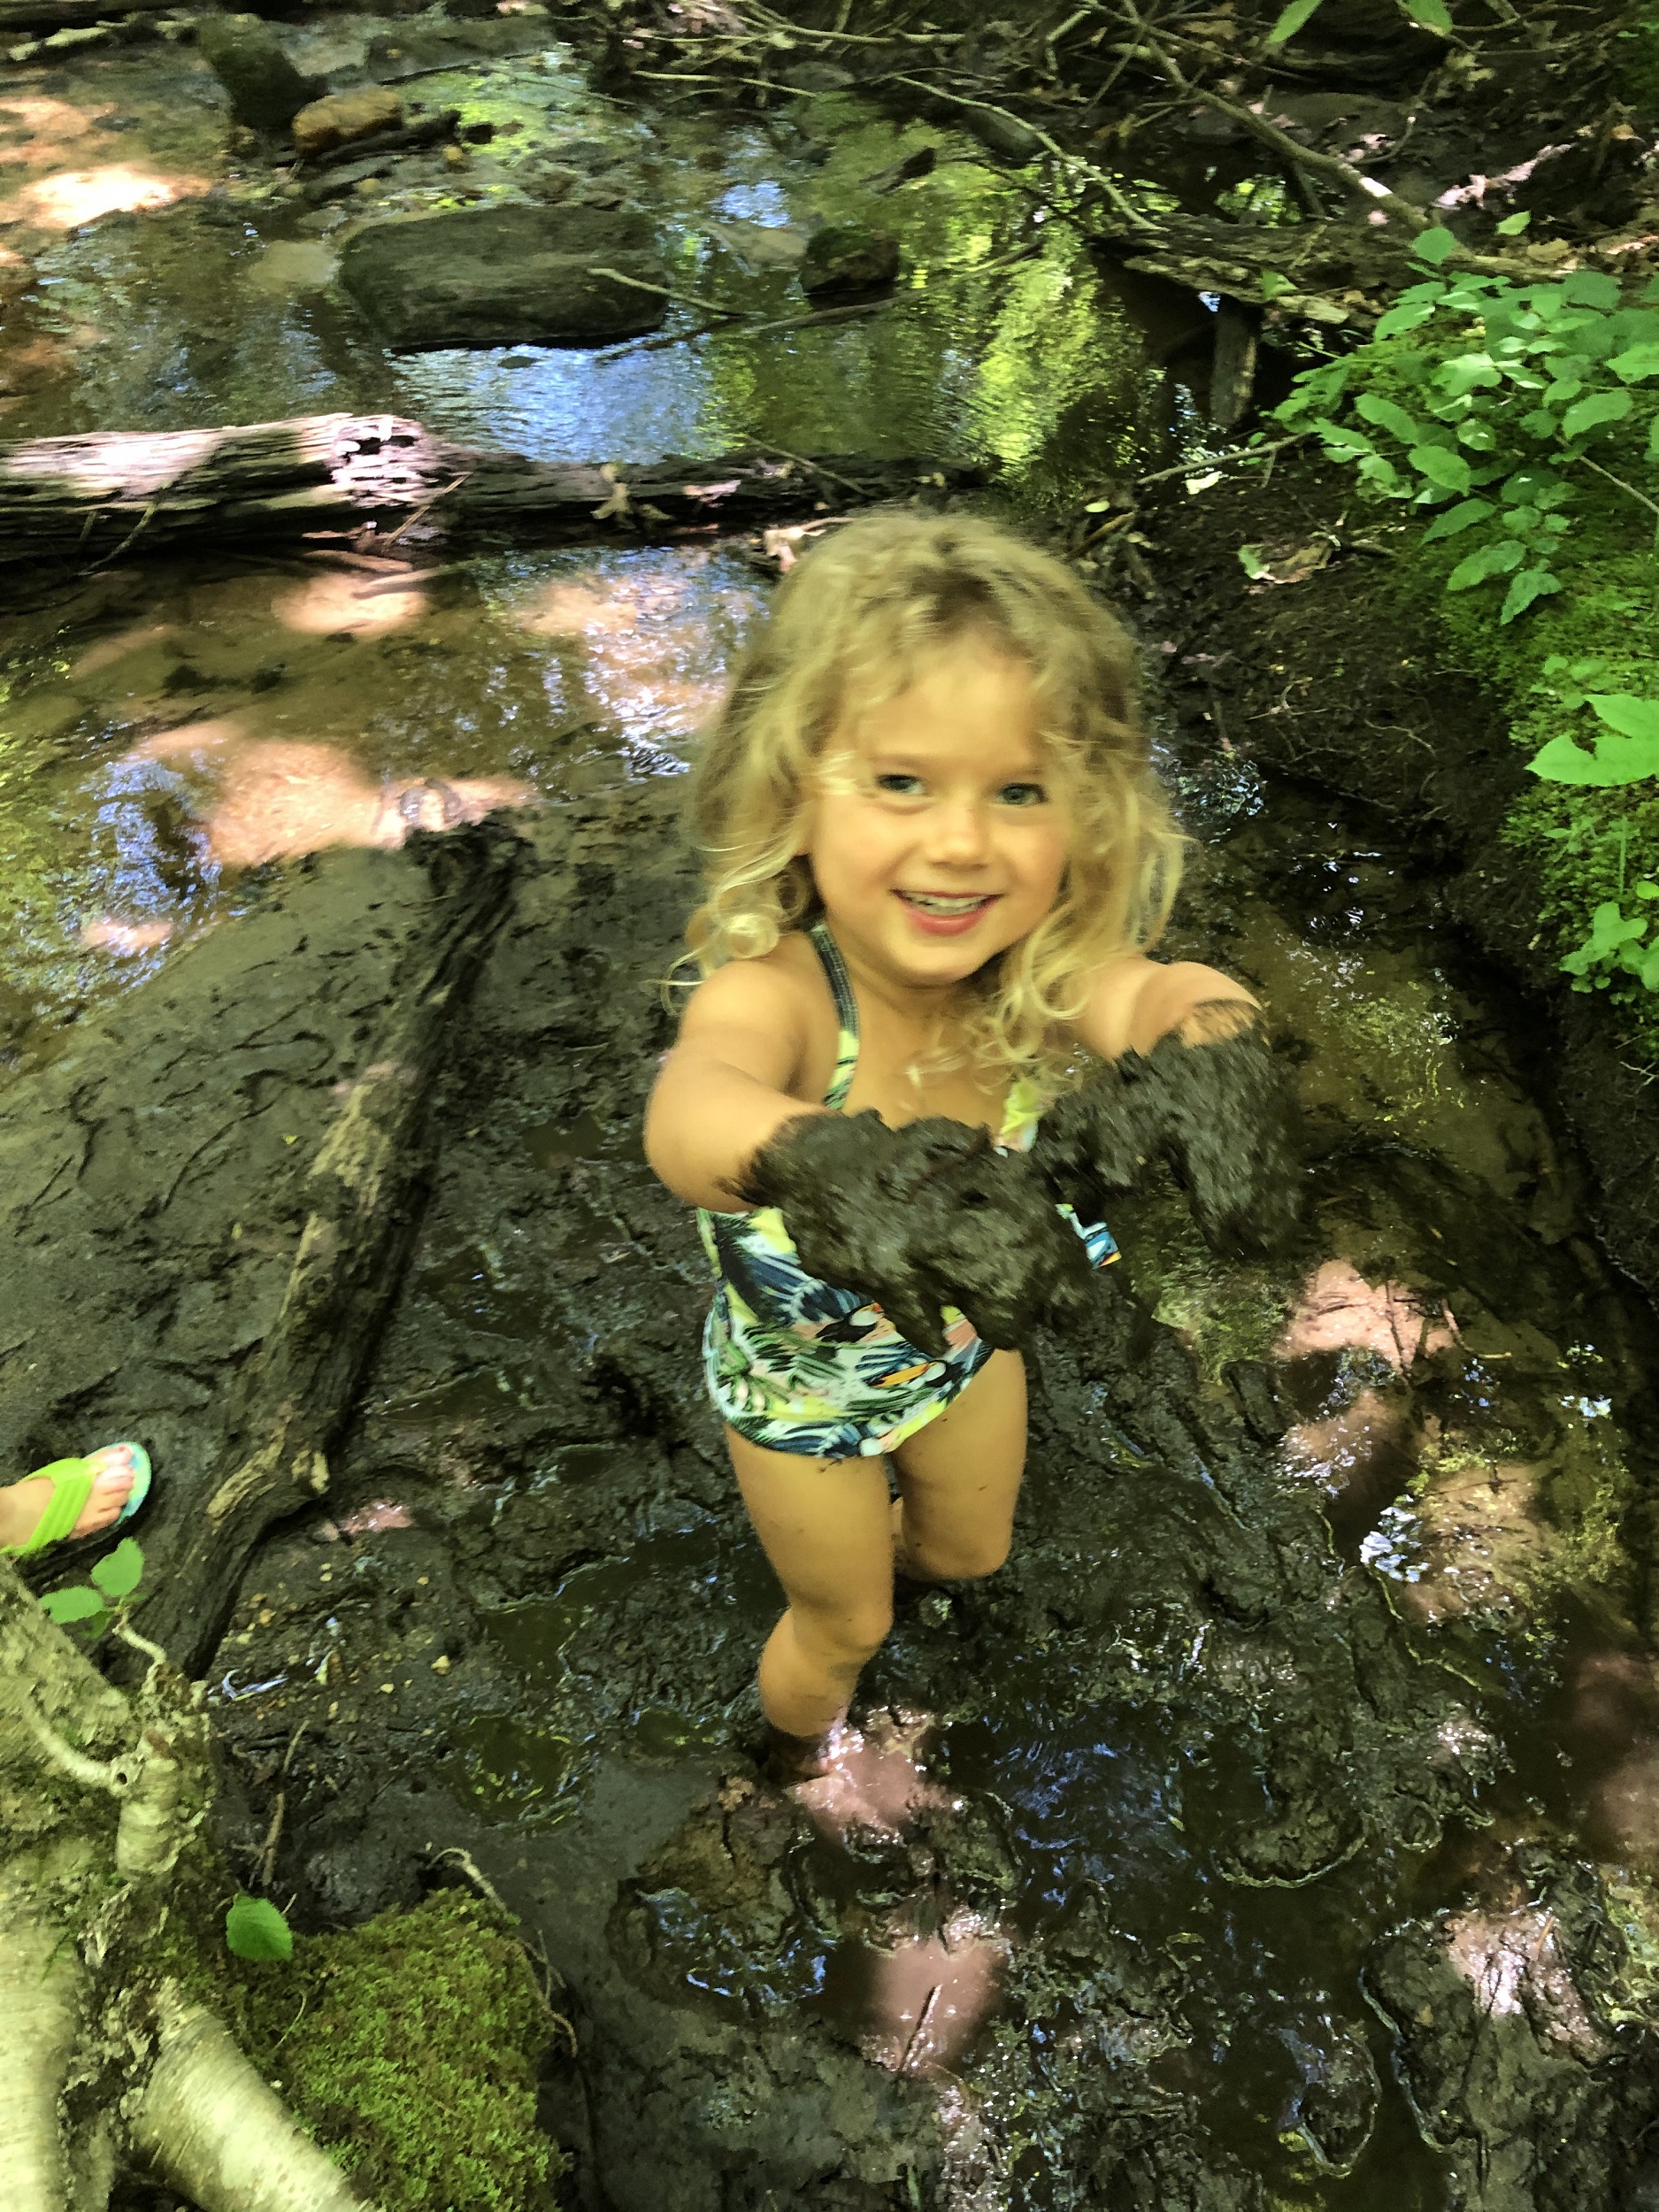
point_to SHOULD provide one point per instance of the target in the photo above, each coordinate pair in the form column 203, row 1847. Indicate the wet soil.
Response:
column 1278, row 1827
column 1306, row 680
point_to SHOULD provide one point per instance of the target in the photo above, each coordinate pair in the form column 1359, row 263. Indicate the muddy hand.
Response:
column 922, row 1217
column 1216, row 1109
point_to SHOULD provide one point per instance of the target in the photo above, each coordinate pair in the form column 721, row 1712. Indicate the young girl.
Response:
column 936, row 852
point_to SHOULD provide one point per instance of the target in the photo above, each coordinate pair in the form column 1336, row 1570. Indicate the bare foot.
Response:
column 22, row 1504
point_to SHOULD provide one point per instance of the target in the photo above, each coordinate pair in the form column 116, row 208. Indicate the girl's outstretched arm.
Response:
column 724, row 1090
column 1137, row 1001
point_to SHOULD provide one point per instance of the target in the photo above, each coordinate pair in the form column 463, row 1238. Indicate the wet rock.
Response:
column 345, row 116
column 1515, row 2072
column 266, row 90
column 846, row 259
column 507, row 275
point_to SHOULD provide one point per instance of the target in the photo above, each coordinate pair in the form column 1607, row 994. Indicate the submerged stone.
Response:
column 508, row 275
column 849, row 258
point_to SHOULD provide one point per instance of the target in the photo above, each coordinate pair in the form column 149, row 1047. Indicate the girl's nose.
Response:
column 956, row 832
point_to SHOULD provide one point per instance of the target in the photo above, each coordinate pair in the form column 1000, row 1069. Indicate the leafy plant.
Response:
column 1522, row 385
column 1619, row 944
column 116, row 1578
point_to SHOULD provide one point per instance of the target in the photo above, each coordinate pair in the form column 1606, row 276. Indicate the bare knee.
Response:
column 957, row 1558
column 844, row 1639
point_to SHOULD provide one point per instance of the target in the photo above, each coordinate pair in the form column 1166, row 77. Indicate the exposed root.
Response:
column 221, row 2135
column 40, row 2019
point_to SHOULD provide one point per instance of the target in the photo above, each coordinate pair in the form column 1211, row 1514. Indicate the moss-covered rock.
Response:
column 410, row 2048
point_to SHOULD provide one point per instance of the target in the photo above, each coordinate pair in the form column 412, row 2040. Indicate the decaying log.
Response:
column 363, row 1191
column 92, row 498
column 18, row 16
column 1331, row 270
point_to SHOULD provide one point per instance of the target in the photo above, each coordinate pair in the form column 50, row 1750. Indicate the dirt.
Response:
column 1189, row 1758
column 1306, row 680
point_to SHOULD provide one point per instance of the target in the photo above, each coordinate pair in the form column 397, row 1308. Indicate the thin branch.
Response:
column 115, row 1776
column 1075, row 162
column 1652, row 507
column 1224, row 460
column 665, row 292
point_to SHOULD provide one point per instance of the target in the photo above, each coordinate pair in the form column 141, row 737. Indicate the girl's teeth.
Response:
column 944, row 906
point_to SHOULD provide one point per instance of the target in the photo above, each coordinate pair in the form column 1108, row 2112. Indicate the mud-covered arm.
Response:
column 724, row 1091
column 1208, row 1097
column 921, row 1217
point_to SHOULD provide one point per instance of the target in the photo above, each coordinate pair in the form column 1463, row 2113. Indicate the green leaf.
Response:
column 1441, row 466
column 1486, row 560
column 1563, row 391
column 1274, row 283
column 1463, row 516
column 1371, row 407
column 1467, row 371
column 1653, row 439
column 1623, row 711
column 1430, row 13
column 1291, row 21
column 1531, row 584
column 1612, row 763
column 1649, row 970
column 1590, row 288
column 1434, row 245
column 1539, row 424
column 1408, row 313
column 1590, row 413
column 1251, row 562
column 1636, row 364
column 75, row 1604
column 119, row 1575
column 1512, row 226
column 254, row 1929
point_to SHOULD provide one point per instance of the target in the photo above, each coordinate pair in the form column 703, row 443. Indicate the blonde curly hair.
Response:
column 853, row 625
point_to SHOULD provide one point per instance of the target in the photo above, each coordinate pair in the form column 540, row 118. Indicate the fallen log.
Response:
column 88, row 500
column 17, row 16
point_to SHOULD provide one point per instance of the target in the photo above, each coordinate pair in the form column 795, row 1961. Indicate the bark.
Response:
column 364, row 1189
column 91, row 498
column 39, row 2019
column 63, row 15
column 221, row 2136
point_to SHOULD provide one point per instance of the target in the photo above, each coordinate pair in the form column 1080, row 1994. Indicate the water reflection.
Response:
column 278, row 799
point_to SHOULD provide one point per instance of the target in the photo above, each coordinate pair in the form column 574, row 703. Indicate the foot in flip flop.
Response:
column 107, row 1487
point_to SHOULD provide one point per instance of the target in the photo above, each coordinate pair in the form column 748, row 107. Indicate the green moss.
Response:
column 409, row 2047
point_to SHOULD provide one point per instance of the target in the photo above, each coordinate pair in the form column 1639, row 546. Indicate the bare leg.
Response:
column 22, row 1504
column 824, row 1525
column 959, row 1479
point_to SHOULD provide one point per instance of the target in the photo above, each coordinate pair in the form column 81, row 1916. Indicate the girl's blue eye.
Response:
column 901, row 787
column 1022, row 794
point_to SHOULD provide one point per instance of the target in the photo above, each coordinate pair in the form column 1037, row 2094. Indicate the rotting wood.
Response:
column 364, row 1192
column 84, row 499
column 17, row 16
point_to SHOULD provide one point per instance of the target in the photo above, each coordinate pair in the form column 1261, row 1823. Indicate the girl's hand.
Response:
column 919, row 1217
column 1208, row 1098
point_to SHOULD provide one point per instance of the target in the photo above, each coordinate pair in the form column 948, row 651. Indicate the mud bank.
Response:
column 1317, row 681
column 1210, row 1817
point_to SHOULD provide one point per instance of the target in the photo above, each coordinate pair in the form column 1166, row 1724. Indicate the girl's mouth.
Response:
column 947, row 914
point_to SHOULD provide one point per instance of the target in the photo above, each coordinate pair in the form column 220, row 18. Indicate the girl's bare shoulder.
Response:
column 780, row 996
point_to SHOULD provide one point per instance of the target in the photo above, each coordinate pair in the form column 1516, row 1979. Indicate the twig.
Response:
column 1652, row 507
column 817, row 469
column 1222, row 460
column 1071, row 161
column 749, row 330
column 427, row 505
column 663, row 291
column 925, row 2014
column 272, row 1834
column 380, row 586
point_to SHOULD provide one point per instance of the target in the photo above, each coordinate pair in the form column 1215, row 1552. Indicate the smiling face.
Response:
column 935, row 835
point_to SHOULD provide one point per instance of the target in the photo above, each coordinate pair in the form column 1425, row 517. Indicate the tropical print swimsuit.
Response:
column 797, row 1365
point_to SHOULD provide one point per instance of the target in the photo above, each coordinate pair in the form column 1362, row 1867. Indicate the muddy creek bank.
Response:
column 1277, row 1827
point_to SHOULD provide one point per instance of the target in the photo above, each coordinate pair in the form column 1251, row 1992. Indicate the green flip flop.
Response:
column 72, row 1481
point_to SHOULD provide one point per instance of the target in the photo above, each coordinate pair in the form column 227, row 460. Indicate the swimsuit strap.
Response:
column 846, row 1013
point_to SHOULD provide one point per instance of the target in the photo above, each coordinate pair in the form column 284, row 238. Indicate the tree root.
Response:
column 222, row 2136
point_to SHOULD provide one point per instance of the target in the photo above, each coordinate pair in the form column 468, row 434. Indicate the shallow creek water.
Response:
column 1453, row 1379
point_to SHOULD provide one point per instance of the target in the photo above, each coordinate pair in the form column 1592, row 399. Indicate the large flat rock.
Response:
column 508, row 275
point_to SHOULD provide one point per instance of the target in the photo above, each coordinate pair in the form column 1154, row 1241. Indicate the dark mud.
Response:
column 1230, row 1774
column 1308, row 682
